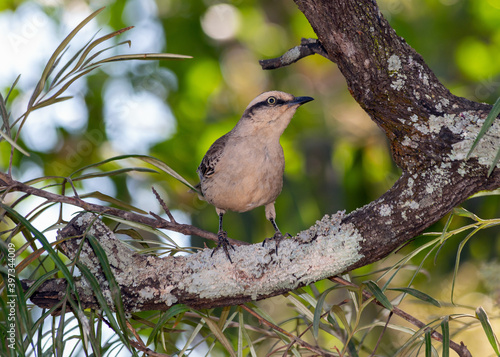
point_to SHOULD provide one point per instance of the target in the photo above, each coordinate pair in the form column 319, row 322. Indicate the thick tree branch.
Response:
column 430, row 129
column 200, row 280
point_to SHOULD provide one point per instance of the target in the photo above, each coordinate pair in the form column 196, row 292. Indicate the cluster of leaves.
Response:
column 348, row 325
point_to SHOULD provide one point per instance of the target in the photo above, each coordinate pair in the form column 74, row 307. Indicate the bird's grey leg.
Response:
column 222, row 236
column 277, row 237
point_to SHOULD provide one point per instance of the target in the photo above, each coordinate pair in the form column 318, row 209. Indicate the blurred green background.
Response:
column 336, row 158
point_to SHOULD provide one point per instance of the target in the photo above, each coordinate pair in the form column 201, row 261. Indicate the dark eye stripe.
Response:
column 264, row 103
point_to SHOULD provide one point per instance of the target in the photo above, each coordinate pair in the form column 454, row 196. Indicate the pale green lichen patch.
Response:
column 292, row 55
column 326, row 249
column 462, row 170
column 487, row 147
column 450, row 121
column 385, row 210
column 411, row 204
column 394, row 67
column 467, row 125
column 394, row 63
column 408, row 142
column 399, row 83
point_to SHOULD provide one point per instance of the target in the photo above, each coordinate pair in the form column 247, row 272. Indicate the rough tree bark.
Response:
column 430, row 130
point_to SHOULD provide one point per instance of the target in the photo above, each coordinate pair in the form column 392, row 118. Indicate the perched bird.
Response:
column 244, row 168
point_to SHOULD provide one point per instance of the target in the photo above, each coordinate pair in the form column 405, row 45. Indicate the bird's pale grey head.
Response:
column 271, row 111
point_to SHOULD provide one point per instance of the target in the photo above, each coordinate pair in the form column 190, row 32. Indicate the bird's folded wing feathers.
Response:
column 209, row 163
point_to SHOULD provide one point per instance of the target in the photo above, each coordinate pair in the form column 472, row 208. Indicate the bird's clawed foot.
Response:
column 224, row 243
column 277, row 237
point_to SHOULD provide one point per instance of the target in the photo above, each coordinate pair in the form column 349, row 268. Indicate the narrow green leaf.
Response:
column 143, row 57
column 191, row 338
column 45, row 243
column 92, row 175
column 144, row 227
column 95, row 43
column 3, row 109
column 494, row 162
column 428, row 343
column 301, row 308
column 55, row 97
column 97, row 53
column 165, row 168
column 100, row 163
column 55, row 80
column 486, row 125
column 351, row 347
column 103, row 303
column 24, row 318
column 340, row 314
column 462, row 212
column 13, row 143
column 53, row 58
column 52, row 100
column 148, row 159
column 173, row 311
column 212, row 325
column 378, row 294
column 113, row 285
column 59, row 343
column 486, row 193
column 223, row 316
column 445, row 330
column 402, row 263
column 112, row 200
column 12, row 88
column 40, row 333
column 485, row 323
column 136, row 236
column 318, row 311
column 443, row 236
column 415, row 336
column 5, row 115
column 240, row 337
column 245, row 333
column 419, row 295
column 457, row 260
column 38, row 282
column 262, row 312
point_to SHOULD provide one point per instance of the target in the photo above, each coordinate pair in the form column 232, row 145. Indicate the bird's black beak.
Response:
column 300, row 100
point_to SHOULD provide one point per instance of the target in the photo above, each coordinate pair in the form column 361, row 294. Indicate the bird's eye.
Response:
column 271, row 101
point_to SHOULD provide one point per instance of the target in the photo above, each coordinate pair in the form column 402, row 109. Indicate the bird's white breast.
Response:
column 252, row 175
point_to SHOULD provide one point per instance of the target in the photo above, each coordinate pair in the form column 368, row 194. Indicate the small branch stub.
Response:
column 307, row 47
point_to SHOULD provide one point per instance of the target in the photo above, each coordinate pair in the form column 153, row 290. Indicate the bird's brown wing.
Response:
column 208, row 165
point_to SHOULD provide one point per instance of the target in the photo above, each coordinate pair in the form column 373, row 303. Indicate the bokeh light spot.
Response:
column 221, row 22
